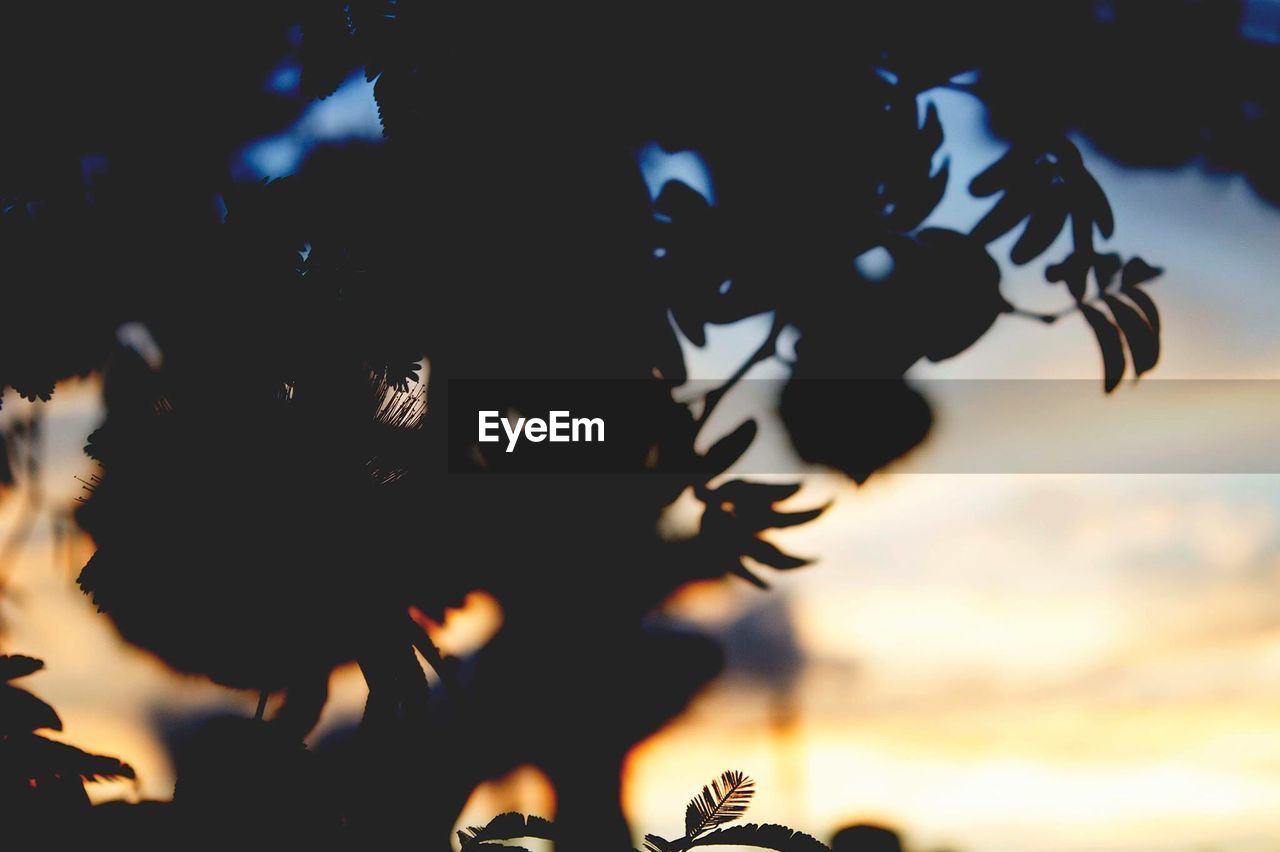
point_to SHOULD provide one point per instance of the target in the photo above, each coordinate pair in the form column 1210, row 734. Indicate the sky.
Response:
column 1028, row 661
column 988, row 661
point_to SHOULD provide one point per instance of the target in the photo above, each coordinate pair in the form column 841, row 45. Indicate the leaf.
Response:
column 956, row 294
column 654, row 843
column 15, row 666
column 1041, row 231
column 1144, row 346
column 857, row 446
column 1048, row 184
column 1138, row 271
column 506, row 826
column 768, row 554
column 37, row 757
column 753, row 504
column 746, row 573
column 782, row 520
column 1105, row 267
column 1012, row 208
column 724, row 800
column 996, row 176
column 1094, row 202
column 1109, row 342
column 22, row 712
column 728, row 449
column 1146, row 305
column 1073, row 271
column 777, row 837
column 93, row 767
column 745, row 491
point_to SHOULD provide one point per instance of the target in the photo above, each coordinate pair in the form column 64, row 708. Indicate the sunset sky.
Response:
column 991, row 662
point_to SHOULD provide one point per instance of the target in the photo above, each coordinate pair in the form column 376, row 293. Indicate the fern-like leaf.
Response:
column 777, row 837
column 723, row 801
column 654, row 843
column 507, row 826
column 35, row 757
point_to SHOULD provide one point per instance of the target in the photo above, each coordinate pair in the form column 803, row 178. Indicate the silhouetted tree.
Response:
column 279, row 490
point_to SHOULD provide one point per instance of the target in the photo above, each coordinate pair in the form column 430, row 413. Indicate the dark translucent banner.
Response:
column 968, row 426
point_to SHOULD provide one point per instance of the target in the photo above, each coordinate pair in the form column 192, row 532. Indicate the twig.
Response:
column 262, row 706
column 766, row 351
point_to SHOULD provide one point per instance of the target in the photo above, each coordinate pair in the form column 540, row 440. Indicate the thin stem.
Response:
column 1046, row 318
column 766, row 350
column 1051, row 317
column 262, row 706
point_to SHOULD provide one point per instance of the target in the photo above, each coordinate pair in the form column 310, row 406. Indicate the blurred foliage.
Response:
column 721, row 802
column 41, row 780
column 274, row 496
